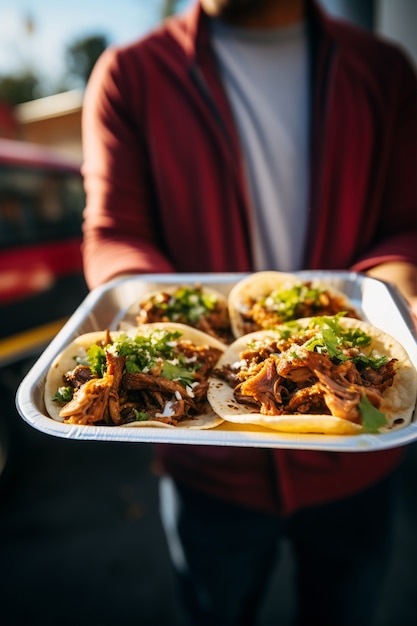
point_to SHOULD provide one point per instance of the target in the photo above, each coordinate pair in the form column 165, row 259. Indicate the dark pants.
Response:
column 340, row 550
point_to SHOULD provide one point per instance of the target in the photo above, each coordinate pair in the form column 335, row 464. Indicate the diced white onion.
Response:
column 168, row 411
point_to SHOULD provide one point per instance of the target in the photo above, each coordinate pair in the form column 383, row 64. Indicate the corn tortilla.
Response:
column 65, row 362
column 398, row 401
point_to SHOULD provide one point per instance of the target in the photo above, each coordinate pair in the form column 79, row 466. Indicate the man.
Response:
column 248, row 135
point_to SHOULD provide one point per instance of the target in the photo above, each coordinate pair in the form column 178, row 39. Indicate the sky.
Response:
column 58, row 23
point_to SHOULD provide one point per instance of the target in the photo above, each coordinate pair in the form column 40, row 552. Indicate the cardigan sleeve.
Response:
column 397, row 231
column 120, row 228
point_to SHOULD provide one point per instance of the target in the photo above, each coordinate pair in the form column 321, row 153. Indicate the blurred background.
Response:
column 80, row 536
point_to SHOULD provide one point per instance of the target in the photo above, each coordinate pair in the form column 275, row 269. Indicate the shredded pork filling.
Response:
column 215, row 322
column 299, row 381
column 120, row 397
column 257, row 314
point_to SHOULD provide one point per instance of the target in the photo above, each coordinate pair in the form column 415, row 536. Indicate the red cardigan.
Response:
column 166, row 192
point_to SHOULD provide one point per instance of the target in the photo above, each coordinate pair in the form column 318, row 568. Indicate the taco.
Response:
column 154, row 376
column 329, row 375
column 265, row 299
column 194, row 305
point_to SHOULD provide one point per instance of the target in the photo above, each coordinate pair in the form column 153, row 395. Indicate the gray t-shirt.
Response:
column 265, row 77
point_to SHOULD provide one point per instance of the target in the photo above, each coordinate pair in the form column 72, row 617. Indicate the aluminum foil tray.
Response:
column 104, row 308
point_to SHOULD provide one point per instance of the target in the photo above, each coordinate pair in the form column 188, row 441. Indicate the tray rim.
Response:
column 217, row 436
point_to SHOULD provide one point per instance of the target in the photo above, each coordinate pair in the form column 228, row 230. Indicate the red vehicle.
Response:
column 41, row 276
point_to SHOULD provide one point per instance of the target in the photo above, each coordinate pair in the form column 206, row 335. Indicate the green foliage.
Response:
column 80, row 58
column 82, row 55
column 18, row 88
column 169, row 7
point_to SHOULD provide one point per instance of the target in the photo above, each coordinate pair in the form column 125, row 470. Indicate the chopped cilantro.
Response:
column 140, row 416
column 328, row 340
column 337, row 334
column 184, row 374
column 96, row 359
column 372, row 418
column 371, row 361
column 334, row 339
column 288, row 329
column 286, row 302
column 131, row 366
column 144, row 352
column 63, row 394
column 189, row 303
